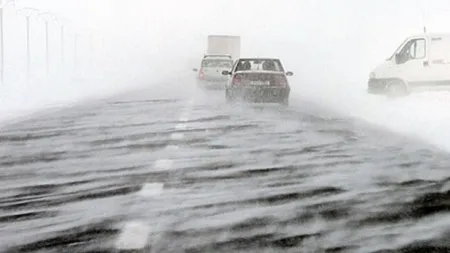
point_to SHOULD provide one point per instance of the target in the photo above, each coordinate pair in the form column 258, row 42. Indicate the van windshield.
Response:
column 396, row 50
column 217, row 63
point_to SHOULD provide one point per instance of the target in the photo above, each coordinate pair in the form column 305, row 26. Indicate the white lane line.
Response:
column 188, row 107
column 151, row 189
column 184, row 118
column 134, row 236
column 177, row 136
column 185, row 113
column 180, row 126
column 172, row 147
column 163, row 164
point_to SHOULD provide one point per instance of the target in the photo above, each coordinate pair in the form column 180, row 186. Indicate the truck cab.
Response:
column 421, row 62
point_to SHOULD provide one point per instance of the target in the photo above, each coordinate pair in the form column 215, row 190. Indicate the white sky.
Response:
column 343, row 38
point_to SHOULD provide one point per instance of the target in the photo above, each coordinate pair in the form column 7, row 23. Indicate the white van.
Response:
column 421, row 62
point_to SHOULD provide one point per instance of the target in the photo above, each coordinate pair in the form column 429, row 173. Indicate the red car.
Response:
column 262, row 80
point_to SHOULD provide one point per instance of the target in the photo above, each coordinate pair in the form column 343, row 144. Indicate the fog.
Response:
column 331, row 46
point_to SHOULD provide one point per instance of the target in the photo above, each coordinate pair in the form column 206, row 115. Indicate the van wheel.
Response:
column 396, row 88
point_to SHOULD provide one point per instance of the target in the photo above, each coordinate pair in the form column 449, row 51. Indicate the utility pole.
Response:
column 46, row 49
column 62, row 45
column 2, row 57
column 3, row 4
column 28, row 48
column 50, row 17
column 75, row 51
column 28, row 13
column 91, row 50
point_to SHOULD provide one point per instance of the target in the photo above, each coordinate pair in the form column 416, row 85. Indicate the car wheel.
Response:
column 396, row 88
column 228, row 97
column 285, row 102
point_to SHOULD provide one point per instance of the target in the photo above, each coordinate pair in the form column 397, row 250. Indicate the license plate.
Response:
column 259, row 83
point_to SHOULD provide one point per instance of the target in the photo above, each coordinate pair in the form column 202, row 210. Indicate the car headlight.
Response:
column 372, row 75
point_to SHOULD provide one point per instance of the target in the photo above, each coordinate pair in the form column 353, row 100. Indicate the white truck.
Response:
column 221, row 53
column 224, row 45
column 421, row 62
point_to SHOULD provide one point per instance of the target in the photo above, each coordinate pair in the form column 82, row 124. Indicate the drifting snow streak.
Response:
column 243, row 179
column 422, row 115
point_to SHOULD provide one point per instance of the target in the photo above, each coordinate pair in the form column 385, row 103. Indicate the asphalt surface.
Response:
column 174, row 169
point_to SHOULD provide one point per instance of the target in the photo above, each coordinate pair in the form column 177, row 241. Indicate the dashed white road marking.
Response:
column 180, row 126
column 177, row 136
column 172, row 147
column 163, row 164
column 134, row 236
column 151, row 189
column 184, row 118
column 186, row 113
column 187, row 108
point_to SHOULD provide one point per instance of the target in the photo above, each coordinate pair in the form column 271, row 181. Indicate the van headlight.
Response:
column 372, row 75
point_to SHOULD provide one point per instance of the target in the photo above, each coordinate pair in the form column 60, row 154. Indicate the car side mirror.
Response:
column 226, row 73
column 289, row 73
column 195, row 69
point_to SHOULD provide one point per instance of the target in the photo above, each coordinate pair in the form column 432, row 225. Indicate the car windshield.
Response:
column 217, row 63
column 259, row 64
